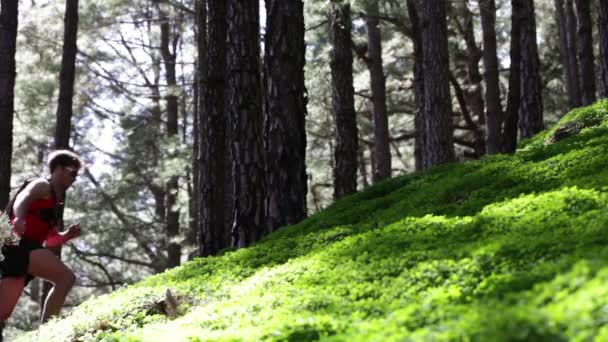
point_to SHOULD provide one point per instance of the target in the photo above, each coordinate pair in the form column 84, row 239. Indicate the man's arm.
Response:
column 56, row 239
column 38, row 188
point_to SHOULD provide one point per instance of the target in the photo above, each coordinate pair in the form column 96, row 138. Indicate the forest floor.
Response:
column 510, row 247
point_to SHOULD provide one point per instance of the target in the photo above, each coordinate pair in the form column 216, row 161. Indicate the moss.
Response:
column 508, row 248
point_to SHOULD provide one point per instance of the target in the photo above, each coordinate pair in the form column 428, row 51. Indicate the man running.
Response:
column 35, row 215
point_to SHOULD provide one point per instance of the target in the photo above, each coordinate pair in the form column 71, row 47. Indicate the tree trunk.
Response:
column 8, row 45
column 473, row 90
column 509, row 142
column 437, row 124
column 573, row 68
column 345, row 153
column 168, row 47
column 531, row 106
column 244, row 99
column 490, row 61
column 603, row 33
column 382, row 166
column 572, row 86
column 213, row 121
column 67, row 76
column 195, row 193
column 585, row 50
column 413, row 12
column 284, row 114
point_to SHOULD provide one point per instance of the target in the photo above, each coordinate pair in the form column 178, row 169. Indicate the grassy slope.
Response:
column 506, row 248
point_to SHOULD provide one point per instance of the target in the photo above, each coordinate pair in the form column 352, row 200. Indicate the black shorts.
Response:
column 17, row 259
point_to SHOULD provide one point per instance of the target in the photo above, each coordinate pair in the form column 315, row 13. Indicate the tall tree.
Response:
column 195, row 192
column 413, row 12
column 531, row 106
column 571, row 41
column 244, row 98
column 509, row 134
column 67, row 76
column 472, row 91
column 437, row 124
column 603, row 33
column 585, row 50
column 285, row 113
column 572, row 82
column 490, row 61
column 169, row 39
column 382, row 165
column 345, row 153
column 8, row 45
column 213, row 119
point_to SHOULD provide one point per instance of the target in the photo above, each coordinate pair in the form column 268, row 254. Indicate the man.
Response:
column 35, row 215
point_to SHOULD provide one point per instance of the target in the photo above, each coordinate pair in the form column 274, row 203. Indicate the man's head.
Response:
column 64, row 165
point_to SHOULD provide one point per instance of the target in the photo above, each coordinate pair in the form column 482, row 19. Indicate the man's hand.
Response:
column 19, row 226
column 73, row 231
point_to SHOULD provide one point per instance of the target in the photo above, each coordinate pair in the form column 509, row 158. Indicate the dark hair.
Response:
column 64, row 158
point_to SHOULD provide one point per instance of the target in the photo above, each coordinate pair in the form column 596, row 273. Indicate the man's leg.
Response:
column 44, row 264
column 10, row 291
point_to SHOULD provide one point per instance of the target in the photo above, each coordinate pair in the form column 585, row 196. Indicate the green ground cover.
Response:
column 507, row 248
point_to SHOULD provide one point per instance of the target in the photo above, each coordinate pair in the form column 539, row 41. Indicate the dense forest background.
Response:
column 171, row 99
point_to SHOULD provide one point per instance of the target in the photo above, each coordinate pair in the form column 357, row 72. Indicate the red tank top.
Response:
column 37, row 229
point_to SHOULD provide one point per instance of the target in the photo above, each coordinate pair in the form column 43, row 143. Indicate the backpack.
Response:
column 9, row 207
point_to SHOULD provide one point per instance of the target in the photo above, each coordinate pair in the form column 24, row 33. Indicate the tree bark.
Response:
column 168, row 47
column 603, row 33
column 244, row 98
column 473, row 90
column 509, row 135
column 573, row 67
column 195, row 194
column 345, row 153
column 67, row 76
column 382, row 166
column 572, row 84
column 490, row 60
column 585, row 50
column 437, row 124
column 8, row 46
column 413, row 12
column 531, row 106
column 284, row 114
column 213, row 231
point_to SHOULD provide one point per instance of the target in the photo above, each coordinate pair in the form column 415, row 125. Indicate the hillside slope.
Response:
column 506, row 248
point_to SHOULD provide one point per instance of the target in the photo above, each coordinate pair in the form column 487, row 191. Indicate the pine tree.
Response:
column 67, row 76
column 169, row 38
column 490, row 60
column 213, row 234
column 573, row 62
column 437, row 125
column 413, row 12
column 509, row 134
column 346, row 148
column 382, row 165
column 8, row 45
column 603, row 33
column 531, row 106
column 244, row 99
column 585, row 50
column 284, row 114
column 568, row 56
